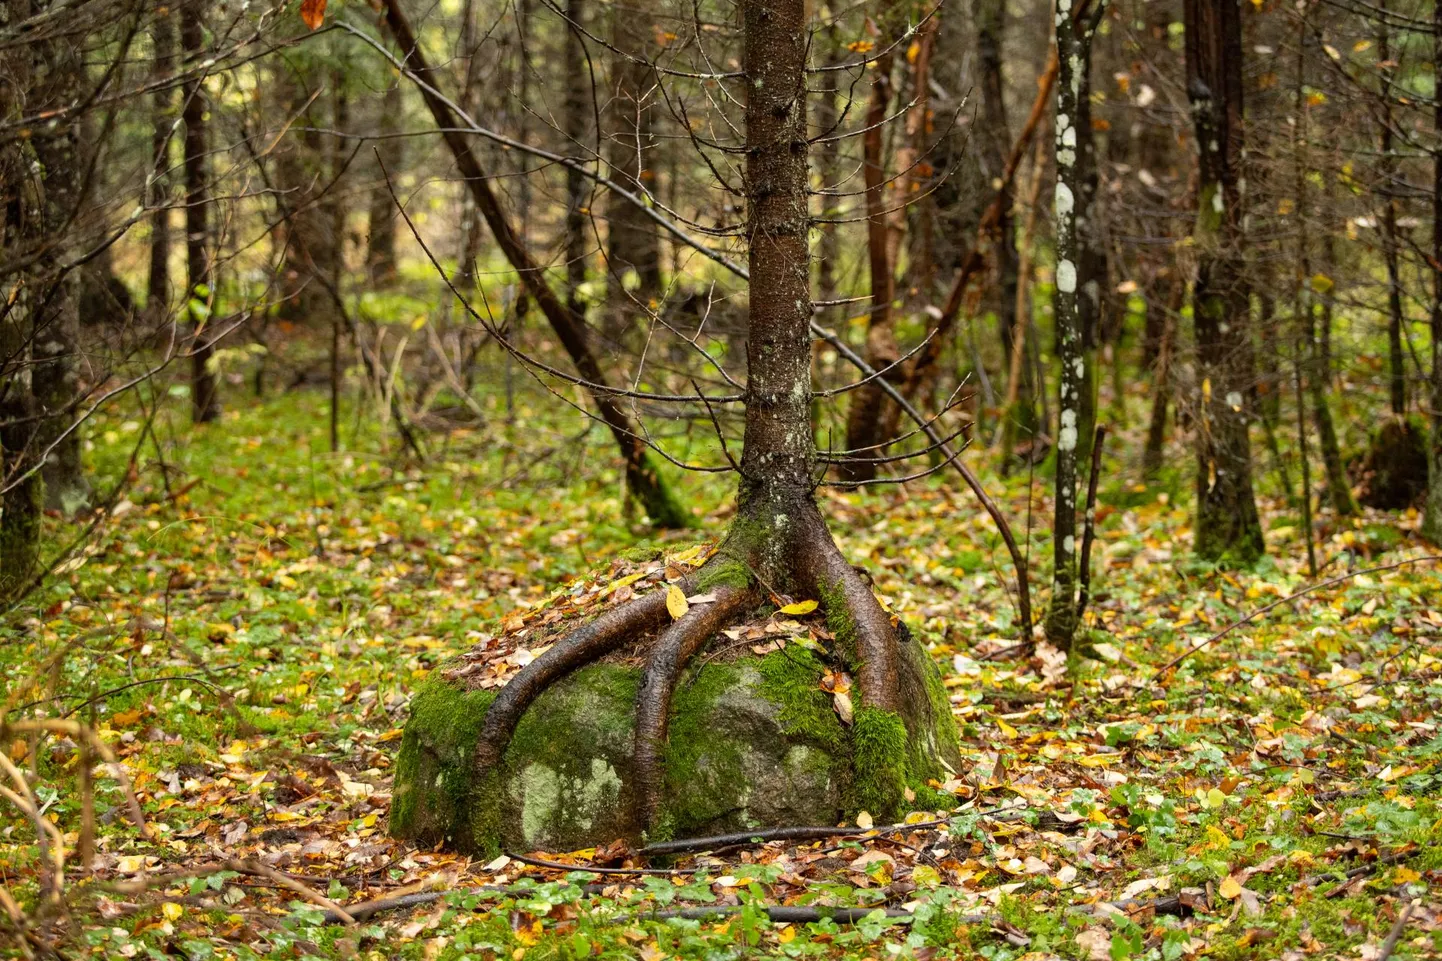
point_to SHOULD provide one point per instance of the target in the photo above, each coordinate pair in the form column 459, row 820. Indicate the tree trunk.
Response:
column 577, row 123
column 1228, row 529
column 162, row 120
column 865, row 420
column 381, row 222
column 1073, row 47
column 200, row 276
column 1316, row 359
column 21, row 487
column 1091, row 256
column 56, row 318
column 642, row 478
column 828, row 115
column 1387, row 174
column 1432, row 515
column 996, row 144
column 633, row 253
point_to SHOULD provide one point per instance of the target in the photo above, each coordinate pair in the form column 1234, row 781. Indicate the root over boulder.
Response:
column 752, row 742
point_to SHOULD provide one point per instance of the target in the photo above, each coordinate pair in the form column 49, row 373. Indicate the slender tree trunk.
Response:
column 1317, row 358
column 1432, row 516
column 865, row 420
column 1073, row 46
column 577, row 123
column 634, row 246
column 381, row 225
column 1387, row 172
column 1091, row 258
column 828, row 115
column 995, row 146
column 471, row 224
column 56, row 332
column 202, row 296
column 1228, row 528
column 1161, row 382
column 21, row 487
column 162, row 120
column 1268, row 393
column 642, row 478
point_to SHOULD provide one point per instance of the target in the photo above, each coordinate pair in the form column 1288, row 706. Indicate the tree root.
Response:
column 588, row 643
column 850, row 604
column 781, row 547
column 680, row 642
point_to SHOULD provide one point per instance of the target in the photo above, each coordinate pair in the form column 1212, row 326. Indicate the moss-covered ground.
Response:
column 249, row 628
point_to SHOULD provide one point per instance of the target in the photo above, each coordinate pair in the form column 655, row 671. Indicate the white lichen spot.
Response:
column 1217, row 201
column 1079, row 367
column 1234, row 400
column 1065, row 157
column 1068, row 137
column 1062, row 122
column 1069, row 544
column 1065, row 201
column 1066, row 277
column 1066, row 439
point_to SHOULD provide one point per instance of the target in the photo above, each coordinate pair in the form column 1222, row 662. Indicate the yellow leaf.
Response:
column 1215, row 798
column 171, row 910
column 1405, row 876
column 800, row 607
column 1007, row 730
column 1230, row 888
column 864, row 821
column 786, row 935
column 676, row 602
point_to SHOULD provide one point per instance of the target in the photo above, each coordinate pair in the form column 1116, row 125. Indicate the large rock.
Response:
column 753, row 742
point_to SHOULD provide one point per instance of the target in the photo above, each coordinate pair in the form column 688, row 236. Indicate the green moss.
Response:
column 948, row 740
column 694, row 756
column 840, row 622
column 723, row 572
column 879, row 763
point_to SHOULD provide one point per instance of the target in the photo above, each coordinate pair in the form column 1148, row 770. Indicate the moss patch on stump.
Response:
column 753, row 743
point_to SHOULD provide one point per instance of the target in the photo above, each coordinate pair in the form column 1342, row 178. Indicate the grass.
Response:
column 247, row 629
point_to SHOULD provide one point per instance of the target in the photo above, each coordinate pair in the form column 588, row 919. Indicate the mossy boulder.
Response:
column 753, row 742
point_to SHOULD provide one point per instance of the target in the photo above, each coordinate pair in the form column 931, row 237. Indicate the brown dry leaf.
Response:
column 1097, row 943
column 313, row 13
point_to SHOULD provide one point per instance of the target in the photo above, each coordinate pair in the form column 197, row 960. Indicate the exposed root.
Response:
column 589, row 643
column 681, row 642
column 850, row 603
column 783, row 547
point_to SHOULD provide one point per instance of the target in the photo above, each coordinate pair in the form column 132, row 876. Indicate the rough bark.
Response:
column 1228, row 528
column 200, row 275
column 642, row 478
column 58, row 70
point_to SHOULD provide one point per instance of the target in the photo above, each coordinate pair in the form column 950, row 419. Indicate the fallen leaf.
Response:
column 313, row 13
column 676, row 602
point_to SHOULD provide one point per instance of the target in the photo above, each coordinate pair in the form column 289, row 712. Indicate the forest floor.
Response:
column 245, row 629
